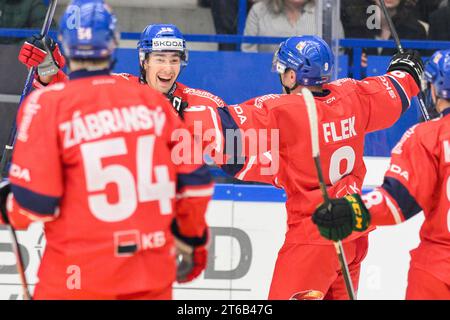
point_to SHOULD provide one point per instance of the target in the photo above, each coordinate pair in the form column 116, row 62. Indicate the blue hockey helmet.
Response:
column 160, row 38
column 437, row 72
column 88, row 30
column 309, row 56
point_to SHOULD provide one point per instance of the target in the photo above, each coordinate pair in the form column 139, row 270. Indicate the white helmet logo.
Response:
column 437, row 58
column 326, row 66
column 165, row 29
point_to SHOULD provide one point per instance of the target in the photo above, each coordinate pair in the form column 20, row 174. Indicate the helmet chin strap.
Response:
column 430, row 104
column 286, row 88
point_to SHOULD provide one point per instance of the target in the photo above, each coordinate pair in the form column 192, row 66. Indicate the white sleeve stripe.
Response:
column 403, row 89
column 196, row 193
column 393, row 210
column 247, row 167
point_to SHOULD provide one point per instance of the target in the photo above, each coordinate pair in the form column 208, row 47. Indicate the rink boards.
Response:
column 247, row 227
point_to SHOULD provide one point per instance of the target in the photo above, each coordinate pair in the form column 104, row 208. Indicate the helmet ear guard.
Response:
column 437, row 73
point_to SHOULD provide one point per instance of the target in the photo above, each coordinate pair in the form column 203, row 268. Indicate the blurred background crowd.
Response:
column 414, row 19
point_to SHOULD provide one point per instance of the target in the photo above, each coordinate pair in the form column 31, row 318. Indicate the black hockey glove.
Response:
column 178, row 104
column 5, row 189
column 192, row 254
column 347, row 214
column 408, row 61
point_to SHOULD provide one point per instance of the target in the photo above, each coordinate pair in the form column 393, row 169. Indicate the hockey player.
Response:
column 347, row 110
column 162, row 56
column 418, row 179
column 98, row 168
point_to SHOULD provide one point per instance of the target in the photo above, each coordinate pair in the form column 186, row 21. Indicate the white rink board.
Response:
column 383, row 273
column 246, row 239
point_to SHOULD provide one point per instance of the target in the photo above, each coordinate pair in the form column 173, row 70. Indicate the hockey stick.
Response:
column 312, row 116
column 420, row 97
column 7, row 151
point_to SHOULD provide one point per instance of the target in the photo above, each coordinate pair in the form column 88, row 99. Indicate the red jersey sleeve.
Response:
column 194, row 181
column 57, row 78
column 233, row 139
column 405, row 191
column 385, row 98
column 36, row 170
column 62, row 77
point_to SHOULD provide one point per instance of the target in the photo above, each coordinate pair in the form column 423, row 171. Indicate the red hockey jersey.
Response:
column 244, row 153
column 347, row 110
column 97, row 166
column 419, row 179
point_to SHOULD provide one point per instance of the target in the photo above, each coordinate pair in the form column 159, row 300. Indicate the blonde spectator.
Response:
column 280, row 18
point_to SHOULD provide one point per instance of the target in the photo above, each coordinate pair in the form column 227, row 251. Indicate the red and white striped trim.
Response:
column 393, row 209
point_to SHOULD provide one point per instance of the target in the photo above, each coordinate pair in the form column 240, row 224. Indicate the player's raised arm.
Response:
column 383, row 99
column 194, row 189
column 417, row 172
column 46, row 57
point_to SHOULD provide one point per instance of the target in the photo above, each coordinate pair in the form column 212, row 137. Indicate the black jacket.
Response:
column 440, row 24
column 354, row 19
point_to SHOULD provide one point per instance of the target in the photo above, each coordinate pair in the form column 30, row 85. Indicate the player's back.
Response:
column 341, row 137
column 117, row 183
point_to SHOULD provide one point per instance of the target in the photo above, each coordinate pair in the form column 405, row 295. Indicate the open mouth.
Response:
column 165, row 79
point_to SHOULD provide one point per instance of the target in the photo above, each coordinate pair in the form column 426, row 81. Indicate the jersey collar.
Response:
column 172, row 90
column 446, row 112
column 83, row 73
column 322, row 94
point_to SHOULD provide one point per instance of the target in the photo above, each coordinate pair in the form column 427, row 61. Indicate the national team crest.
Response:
column 301, row 45
column 437, row 58
column 165, row 30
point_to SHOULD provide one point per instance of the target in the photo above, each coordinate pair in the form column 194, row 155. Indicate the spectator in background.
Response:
column 280, row 18
column 440, row 24
column 423, row 8
column 225, row 16
column 21, row 14
column 354, row 16
column 405, row 22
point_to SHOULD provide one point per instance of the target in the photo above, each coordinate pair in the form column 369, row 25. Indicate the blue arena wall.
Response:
column 237, row 76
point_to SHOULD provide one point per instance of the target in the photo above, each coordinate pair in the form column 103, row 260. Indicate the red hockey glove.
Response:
column 192, row 255
column 33, row 52
column 5, row 189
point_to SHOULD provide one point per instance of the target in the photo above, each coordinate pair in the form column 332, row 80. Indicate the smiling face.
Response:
column 162, row 70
